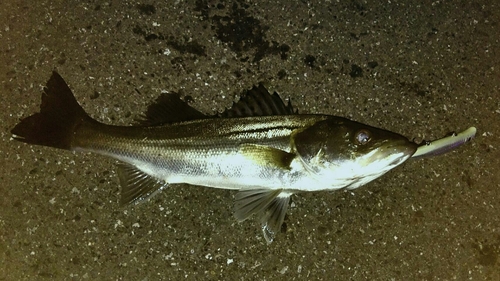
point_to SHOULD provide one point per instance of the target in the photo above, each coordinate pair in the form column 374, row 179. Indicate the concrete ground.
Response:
column 419, row 68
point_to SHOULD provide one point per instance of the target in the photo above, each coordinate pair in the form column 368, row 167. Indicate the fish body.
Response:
column 272, row 152
column 259, row 147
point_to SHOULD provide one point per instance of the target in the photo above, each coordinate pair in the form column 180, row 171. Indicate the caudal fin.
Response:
column 59, row 117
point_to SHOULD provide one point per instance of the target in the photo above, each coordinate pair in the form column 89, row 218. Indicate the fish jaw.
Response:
column 378, row 162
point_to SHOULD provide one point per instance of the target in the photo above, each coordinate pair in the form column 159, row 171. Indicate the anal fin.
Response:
column 270, row 205
column 137, row 186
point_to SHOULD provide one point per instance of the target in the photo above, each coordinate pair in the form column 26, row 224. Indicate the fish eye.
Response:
column 362, row 137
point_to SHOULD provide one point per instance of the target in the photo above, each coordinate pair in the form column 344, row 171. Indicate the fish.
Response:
column 260, row 147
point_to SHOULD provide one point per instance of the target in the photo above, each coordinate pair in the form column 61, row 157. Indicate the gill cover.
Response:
column 335, row 139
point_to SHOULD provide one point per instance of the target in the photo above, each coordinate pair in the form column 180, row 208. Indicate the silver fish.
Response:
column 260, row 147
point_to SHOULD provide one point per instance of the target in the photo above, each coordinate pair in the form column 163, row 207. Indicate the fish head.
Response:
column 344, row 153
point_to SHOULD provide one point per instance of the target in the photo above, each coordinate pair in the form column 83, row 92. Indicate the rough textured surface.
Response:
column 419, row 68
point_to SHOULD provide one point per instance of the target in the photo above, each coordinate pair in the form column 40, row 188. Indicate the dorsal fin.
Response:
column 258, row 102
column 169, row 108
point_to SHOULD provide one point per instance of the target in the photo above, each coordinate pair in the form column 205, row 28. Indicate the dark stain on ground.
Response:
column 372, row 64
column 191, row 47
column 148, row 36
column 146, row 9
column 358, row 6
column 487, row 254
column 240, row 31
column 183, row 46
column 203, row 8
column 356, row 71
column 282, row 74
column 418, row 217
column 357, row 36
column 415, row 88
column 94, row 95
column 309, row 60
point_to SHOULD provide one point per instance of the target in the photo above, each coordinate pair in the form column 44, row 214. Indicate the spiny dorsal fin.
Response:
column 258, row 102
column 136, row 185
column 169, row 108
column 271, row 206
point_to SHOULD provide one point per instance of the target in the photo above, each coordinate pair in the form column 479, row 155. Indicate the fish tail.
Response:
column 59, row 117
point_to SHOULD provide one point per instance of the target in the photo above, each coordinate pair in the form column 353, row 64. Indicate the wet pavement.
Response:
column 419, row 68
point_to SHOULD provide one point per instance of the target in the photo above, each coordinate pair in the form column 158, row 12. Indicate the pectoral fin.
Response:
column 274, row 215
column 270, row 205
column 137, row 186
column 267, row 156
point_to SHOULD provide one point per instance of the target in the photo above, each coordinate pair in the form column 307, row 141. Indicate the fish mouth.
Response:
column 398, row 151
column 387, row 156
column 406, row 146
